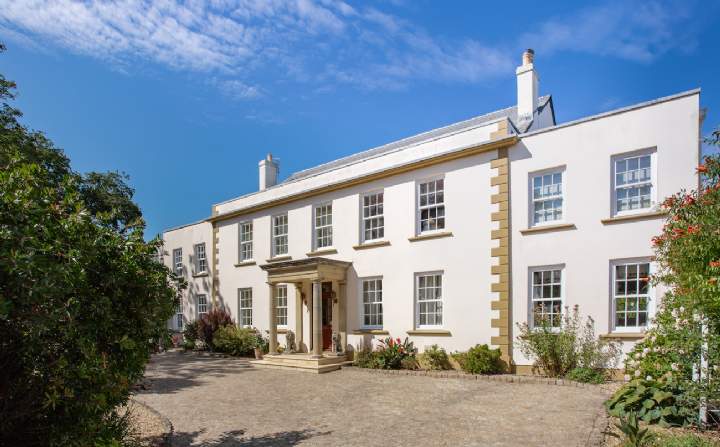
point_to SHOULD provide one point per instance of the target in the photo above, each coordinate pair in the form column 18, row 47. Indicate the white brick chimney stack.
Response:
column 269, row 170
column 527, row 88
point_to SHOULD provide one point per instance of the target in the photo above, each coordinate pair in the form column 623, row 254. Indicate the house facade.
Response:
column 454, row 236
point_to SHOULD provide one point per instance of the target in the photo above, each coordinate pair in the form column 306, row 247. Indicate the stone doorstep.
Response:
column 302, row 362
column 317, row 368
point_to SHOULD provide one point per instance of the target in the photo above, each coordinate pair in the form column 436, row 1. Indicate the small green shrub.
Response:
column 435, row 358
column 586, row 375
column 480, row 359
column 234, row 341
column 410, row 363
column 365, row 358
column 210, row 323
column 682, row 440
column 654, row 401
column 190, row 333
column 632, row 434
column 260, row 341
column 188, row 345
column 460, row 358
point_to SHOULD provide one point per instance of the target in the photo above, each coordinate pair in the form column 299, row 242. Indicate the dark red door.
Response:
column 326, row 315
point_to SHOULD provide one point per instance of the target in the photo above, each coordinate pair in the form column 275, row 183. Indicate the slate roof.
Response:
column 510, row 112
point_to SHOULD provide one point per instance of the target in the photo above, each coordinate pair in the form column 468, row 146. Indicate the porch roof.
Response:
column 310, row 269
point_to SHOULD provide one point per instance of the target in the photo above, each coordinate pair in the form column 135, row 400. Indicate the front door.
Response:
column 327, row 303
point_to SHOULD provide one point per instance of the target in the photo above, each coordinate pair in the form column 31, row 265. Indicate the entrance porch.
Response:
column 320, row 291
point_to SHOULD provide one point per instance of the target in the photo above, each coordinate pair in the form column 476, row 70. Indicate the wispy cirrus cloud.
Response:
column 246, row 46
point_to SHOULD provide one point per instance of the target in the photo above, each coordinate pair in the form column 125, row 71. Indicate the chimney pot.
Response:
column 269, row 170
column 528, row 56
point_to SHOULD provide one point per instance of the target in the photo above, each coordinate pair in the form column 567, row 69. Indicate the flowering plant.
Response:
column 391, row 352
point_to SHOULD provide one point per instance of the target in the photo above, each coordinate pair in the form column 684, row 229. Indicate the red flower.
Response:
column 702, row 169
column 712, row 280
column 657, row 240
column 693, row 229
column 715, row 264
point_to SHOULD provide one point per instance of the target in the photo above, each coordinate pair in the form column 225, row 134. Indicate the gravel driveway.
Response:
column 226, row 402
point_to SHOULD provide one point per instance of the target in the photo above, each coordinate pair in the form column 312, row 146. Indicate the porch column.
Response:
column 342, row 309
column 317, row 320
column 298, row 316
column 273, row 320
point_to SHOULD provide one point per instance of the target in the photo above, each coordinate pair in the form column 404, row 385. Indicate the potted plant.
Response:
column 260, row 345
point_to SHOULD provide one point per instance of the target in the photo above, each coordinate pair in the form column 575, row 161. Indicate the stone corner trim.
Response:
column 279, row 258
column 501, row 254
column 366, row 245
column 424, row 237
column 634, row 217
column 324, row 251
column 244, row 263
column 548, row 228
column 430, row 332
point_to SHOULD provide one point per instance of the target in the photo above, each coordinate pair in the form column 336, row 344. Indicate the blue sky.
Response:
column 187, row 97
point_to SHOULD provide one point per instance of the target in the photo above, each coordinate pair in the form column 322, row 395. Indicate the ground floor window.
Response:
column 428, row 293
column 372, row 311
column 546, row 296
column 179, row 318
column 245, row 307
column 631, row 295
column 281, row 303
column 202, row 305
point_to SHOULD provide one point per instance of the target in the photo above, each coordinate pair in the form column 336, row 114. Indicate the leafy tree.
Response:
column 81, row 294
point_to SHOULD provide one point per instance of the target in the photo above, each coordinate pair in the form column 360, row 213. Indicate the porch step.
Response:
column 302, row 362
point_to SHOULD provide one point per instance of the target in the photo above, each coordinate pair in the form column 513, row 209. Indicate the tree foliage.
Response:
column 81, row 294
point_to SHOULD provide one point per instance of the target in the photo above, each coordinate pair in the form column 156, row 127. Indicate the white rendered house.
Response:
column 452, row 236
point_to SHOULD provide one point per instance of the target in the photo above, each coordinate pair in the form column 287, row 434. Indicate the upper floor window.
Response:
column 429, row 300
column 281, row 303
column 373, row 220
column 372, row 311
column 547, row 296
column 631, row 296
column 200, row 258
column 323, row 226
column 202, row 306
column 246, row 241
column 431, row 205
column 280, row 235
column 547, row 197
column 245, row 307
column 633, row 182
column 177, row 261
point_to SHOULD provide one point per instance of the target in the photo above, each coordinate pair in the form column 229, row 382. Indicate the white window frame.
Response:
column 532, row 200
column 245, row 307
column 375, row 304
column 200, row 261
column 419, row 208
column 531, row 296
column 245, row 246
column 279, row 307
column 177, row 261
column 274, row 238
column 371, row 219
column 200, row 312
column 179, row 317
column 416, row 287
column 652, row 152
column 328, row 226
column 651, row 294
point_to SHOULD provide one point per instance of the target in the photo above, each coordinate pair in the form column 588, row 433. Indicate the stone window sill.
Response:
column 282, row 330
column 548, row 228
column 633, row 217
column 623, row 335
column 423, row 237
column 372, row 244
column 370, row 332
column 430, row 332
column 279, row 258
column 244, row 263
column 200, row 275
column 323, row 251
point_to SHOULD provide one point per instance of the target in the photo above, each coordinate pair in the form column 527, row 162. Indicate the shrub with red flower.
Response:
column 391, row 352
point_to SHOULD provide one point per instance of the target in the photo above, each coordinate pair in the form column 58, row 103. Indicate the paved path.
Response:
column 227, row 403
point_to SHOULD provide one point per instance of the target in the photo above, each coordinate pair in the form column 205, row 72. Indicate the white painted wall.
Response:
column 585, row 150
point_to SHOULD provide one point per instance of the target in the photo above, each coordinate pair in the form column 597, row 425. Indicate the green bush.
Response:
column 210, row 323
column 586, row 375
column 191, row 332
column 435, row 358
column 410, row 363
column 480, row 359
column 365, row 358
column 632, row 434
column 391, row 352
column 558, row 350
column 682, row 440
column 234, row 341
column 654, row 401
column 81, row 294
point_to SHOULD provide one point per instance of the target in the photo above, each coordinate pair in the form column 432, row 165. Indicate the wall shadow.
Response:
column 235, row 438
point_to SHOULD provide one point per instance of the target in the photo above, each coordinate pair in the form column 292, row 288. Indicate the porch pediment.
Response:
column 310, row 269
